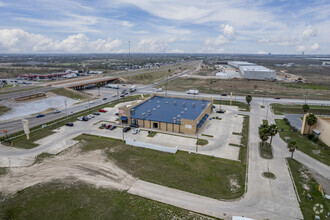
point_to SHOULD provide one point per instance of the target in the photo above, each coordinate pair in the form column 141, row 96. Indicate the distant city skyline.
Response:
column 165, row 26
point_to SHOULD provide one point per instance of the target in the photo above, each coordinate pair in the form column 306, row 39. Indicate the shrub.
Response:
column 310, row 136
column 315, row 139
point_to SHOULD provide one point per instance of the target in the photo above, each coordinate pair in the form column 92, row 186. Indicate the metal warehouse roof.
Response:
column 255, row 68
column 170, row 110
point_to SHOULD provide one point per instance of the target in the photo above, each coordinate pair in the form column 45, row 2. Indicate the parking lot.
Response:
column 219, row 133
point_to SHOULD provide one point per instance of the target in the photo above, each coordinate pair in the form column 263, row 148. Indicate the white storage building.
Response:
column 237, row 64
column 257, row 72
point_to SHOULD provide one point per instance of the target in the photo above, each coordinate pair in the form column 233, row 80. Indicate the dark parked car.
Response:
column 122, row 95
column 224, row 94
column 39, row 116
column 85, row 118
column 117, row 113
column 221, row 111
column 277, row 98
column 96, row 113
column 70, row 124
column 104, row 98
column 107, row 126
column 126, row 129
column 134, row 125
column 112, row 127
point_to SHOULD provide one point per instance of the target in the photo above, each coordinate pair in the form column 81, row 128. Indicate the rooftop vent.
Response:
column 182, row 112
column 193, row 104
column 174, row 102
column 203, row 105
column 144, row 114
column 166, row 102
column 158, row 101
column 184, row 103
column 179, row 116
column 154, row 109
column 149, row 112
column 149, row 100
column 158, row 106
column 185, row 109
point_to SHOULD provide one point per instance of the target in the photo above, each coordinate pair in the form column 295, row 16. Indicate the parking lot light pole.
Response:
column 66, row 109
column 122, row 127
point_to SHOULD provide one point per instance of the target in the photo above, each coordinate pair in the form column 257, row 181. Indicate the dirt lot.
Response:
column 253, row 87
column 91, row 167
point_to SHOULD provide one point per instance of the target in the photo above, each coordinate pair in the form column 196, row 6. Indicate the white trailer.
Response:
column 193, row 91
column 112, row 86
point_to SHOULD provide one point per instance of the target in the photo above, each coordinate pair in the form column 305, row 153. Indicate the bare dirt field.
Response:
column 91, row 167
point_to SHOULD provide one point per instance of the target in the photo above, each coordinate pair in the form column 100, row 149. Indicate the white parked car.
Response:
column 91, row 102
column 80, row 118
column 56, row 111
column 91, row 116
column 136, row 130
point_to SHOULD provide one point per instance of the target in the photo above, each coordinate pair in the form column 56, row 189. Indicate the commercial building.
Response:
column 168, row 113
column 237, row 64
column 253, row 71
column 321, row 128
column 257, row 72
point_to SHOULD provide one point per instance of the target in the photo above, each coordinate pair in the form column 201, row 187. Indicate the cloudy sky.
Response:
column 171, row 26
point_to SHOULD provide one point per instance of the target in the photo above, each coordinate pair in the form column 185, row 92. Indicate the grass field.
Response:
column 200, row 174
column 60, row 200
column 71, row 94
column 245, row 87
column 305, row 86
column 265, row 152
column 160, row 74
column 3, row 171
column 280, row 109
column 306, row 184
column 317, row 150
column 202, row 142
column 4, row 109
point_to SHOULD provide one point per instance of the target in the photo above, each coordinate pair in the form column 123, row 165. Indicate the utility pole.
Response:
column 129, row 59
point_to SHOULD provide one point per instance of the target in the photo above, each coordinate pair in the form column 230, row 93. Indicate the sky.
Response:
column 165, row 26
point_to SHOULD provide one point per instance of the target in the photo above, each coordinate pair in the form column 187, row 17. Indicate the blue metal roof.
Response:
column 170, row 110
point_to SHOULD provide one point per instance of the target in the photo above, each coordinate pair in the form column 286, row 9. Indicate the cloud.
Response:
column 20, row 41
column 309, row 33
column 151, row 46
column 127, row 24
column 315, row 46
column 176, row 51
column 301, row 48
column 228, row 35
column 228, row 31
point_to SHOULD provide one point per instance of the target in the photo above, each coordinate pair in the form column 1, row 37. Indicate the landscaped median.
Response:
column 317, row 150
column 281, row 109
column 311, row 199
column 204, row 175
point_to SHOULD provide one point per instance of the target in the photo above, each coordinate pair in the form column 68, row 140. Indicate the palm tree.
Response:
column 273, row 130
column 248, row 99
column 311, row 120
column 305, row 108
column 98, row 87
column 292, row 146
column 264, row 134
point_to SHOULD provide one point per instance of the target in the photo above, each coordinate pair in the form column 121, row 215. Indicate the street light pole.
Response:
column 197, row 143
column 66, row 110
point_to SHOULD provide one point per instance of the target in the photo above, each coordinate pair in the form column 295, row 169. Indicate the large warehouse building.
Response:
column 253, row 71
column 257, row 72
column 168, row 113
